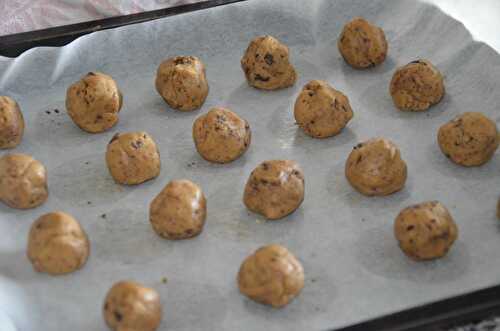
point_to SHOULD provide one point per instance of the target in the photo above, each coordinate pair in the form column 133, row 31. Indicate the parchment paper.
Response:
column 353, row 266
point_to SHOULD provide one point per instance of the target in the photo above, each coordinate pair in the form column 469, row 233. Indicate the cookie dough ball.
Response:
column 129, row 306
column 470, row 139
column 271, row 275
column 23, row 181
column 11, row 123
column 275, row 189
column 362, row 44
column 221, row 136
column 133, row 158
column 375, row 167
column 425, row 231
column 179, row 211
column 182, row 82
column 266, row 64
column 57, row 244
column 94, row 102
column 417, row 86
column 322, row 111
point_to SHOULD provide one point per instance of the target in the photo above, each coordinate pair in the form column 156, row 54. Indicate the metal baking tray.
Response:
column 355, row 272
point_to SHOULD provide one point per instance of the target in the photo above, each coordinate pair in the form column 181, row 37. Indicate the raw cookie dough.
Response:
column 94, row 102
column 23, row 181
column 133, row 158
column 182, row 82
column 275, row 189
column 271, row 275
column 57, row 244
column 470, row 139
column 129, row 306
column 221, row 136
column 425, row 231
column 179, row 211
column 11, row 123
column 362, row 44
column 417, row 86
column 266, row 64
column 375, row 167
column 322, row 111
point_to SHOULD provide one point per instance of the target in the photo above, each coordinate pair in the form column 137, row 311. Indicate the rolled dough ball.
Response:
column 417, row 86
column 94, row 102
column 182, row 82
column 275, row 189
column 362, row 44
column 425, row 231
column 470, row 139
column 179, row 211
column 266, row 64
column 23, row 181
column 57, row 244
column 133, row 158
column 129, row 306
column 221, row 136
column 322, row 111
column 11, row 123
column 271, row 275
column 375, row 167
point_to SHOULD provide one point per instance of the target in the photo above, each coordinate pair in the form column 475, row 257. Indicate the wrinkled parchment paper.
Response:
column 353, row 266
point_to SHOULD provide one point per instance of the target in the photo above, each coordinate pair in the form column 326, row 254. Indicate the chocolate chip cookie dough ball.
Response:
column 425, row 231
column 375, row 167
column 57, row 244
column 470, row 139
column 322, row 111
column 266, row 64
column 271, row 275
column 275, row 189
column 23, row 181
column 182, row 82
column 362, row 44
column 94, row 102
column 417, row 86
column 133, row 158
column 221, row 136
column 179, row 211
column 130, row 306
column 11, row 123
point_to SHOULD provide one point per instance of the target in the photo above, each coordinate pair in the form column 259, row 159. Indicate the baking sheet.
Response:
column 354, row 269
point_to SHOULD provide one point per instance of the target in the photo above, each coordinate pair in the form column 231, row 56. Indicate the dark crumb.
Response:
column 313, row 280
column 191, row 164
column 56, row 111
column 103, row 216
column 47, row 112
column 362, row 219
column 87, row 162
column 89, row 202
column 164, row 280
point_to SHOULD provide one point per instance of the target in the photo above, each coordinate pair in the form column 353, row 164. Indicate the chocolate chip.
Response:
column 91, row 74
column 118, row 316
column 265, row 166
column 182, row 60
column 137, row 144
column 358, row 146
column 269, row 59
column 262, row 79
column 410, row 227
column 115, row 137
